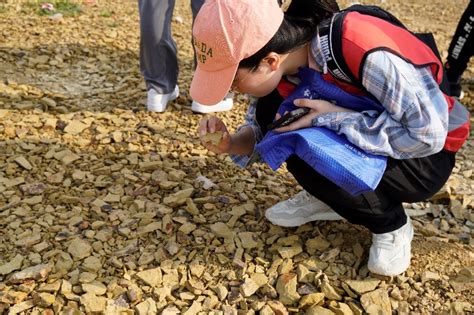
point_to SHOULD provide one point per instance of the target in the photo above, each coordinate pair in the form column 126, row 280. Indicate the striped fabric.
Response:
column 415, row 120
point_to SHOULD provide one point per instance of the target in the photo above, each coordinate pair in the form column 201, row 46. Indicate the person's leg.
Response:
column 224, row 105
column 158, row 59
column 196, row 6
column 460, row 49
column 380, row 211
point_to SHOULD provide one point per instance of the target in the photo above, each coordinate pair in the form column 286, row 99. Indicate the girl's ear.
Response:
column 273, row 60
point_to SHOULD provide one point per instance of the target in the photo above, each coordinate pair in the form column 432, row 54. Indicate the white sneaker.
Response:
column 157, row 102
column 224, row 105
column 300, row 209
column 390, row 252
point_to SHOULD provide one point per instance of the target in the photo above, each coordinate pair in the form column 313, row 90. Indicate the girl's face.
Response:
column 258, row 81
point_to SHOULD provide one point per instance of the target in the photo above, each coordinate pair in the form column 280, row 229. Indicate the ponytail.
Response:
column 299, row 26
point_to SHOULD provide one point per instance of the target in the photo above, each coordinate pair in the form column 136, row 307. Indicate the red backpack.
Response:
column 349, row 36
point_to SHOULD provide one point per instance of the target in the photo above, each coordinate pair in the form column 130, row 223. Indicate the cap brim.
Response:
column 211, row 87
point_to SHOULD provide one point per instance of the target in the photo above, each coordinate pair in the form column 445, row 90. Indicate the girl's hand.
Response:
column 317, row 107
column 213, row 124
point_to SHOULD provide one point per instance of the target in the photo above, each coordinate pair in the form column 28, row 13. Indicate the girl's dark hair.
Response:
column 298, row 27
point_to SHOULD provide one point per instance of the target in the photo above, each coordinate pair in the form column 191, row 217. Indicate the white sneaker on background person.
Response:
column 390, row 252
column 224, row 105
column 157, row 102
column 300, row 209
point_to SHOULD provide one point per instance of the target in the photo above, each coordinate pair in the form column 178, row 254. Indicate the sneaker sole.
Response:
column 201, row 109
column 294, row 222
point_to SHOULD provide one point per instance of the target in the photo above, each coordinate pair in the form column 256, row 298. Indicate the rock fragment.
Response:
column 79, row 249
column 37, row 273
column 12, row 265
column 376, row 302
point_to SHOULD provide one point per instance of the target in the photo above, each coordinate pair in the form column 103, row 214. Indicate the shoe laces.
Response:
column 385, row 240
column 391, row 239
column 301, row 197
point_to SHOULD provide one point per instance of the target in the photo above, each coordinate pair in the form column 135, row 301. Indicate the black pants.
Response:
column 380, row 211
column 461, row 48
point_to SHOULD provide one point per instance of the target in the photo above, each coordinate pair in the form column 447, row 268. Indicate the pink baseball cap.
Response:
column 224, row 33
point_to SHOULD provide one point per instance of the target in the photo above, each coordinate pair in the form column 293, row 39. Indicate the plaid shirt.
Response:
column 414, row 123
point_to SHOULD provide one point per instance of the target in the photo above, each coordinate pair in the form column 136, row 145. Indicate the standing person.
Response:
column 158, row 56
column 252, row 45
column 460, row 50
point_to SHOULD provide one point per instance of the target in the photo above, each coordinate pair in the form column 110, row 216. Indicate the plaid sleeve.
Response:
column 250, row 121
column 415, row 120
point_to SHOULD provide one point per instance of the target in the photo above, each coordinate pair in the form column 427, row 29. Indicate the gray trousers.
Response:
column 158, row 53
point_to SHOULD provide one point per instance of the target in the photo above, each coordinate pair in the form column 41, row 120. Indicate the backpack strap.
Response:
column 330, row 36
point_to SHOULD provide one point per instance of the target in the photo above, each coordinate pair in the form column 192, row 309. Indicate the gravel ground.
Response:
column 108, row 209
